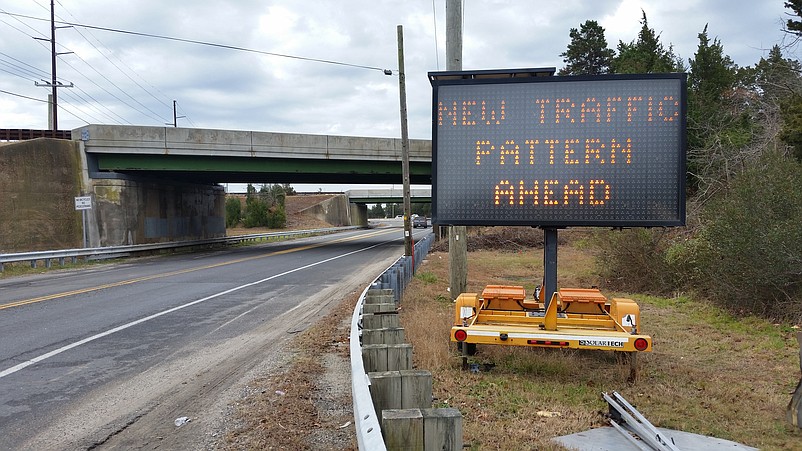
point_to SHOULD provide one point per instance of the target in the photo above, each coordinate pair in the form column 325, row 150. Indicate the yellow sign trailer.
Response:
column 575, row 318
column 520, row 147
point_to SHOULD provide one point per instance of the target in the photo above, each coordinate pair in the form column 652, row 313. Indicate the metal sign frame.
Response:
column 666, row 152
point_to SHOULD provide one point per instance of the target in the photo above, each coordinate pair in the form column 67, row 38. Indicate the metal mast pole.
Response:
column 404, row 147
column 457, row 239
column 53, row 62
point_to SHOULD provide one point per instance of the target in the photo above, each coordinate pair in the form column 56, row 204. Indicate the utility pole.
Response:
column 402, row 85
column 53, row 82
column 175, row 115
column 457, row 235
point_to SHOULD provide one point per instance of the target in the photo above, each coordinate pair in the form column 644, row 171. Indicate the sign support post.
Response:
column 83, row 203
column 549, row 263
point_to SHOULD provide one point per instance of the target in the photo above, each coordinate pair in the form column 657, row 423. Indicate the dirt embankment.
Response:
column 296, row 219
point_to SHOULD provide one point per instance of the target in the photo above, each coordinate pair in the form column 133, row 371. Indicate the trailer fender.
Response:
column 626, row 313
column 465, row 308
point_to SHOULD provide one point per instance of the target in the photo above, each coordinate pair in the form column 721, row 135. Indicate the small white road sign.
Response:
column 83, row 203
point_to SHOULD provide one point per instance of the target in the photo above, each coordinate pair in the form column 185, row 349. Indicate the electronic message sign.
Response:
column 558, row 151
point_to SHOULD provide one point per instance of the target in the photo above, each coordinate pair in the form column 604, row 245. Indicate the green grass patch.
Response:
column 426, row 277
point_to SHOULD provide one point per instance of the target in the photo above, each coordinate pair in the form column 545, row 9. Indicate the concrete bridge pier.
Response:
column 359, row 214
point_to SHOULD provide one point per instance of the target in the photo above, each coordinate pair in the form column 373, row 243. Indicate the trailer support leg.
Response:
column 633, row 367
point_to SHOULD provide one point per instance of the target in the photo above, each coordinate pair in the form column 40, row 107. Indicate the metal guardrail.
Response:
column 121, row 251
column 22, row 134
column 395, row 277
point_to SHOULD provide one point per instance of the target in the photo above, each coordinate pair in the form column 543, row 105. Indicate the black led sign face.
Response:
column 559, row 151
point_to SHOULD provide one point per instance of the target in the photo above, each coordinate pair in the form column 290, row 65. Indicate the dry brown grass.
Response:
column 709, row 374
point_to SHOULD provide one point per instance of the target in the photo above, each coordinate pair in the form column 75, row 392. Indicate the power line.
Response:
column 40, row 74
column 82, row 104
column 44, row 101
column 38, row 40
column 209, row 44
column 24, row 97
column 155, row 114
column 106, row 56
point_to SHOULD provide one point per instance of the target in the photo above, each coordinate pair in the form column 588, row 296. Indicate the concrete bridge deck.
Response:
column 219, row 156
column 384, row 196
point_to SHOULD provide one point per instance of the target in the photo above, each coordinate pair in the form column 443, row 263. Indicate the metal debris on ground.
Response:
column 630, row 430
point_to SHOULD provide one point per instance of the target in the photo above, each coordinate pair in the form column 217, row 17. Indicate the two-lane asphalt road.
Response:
column 89, row 356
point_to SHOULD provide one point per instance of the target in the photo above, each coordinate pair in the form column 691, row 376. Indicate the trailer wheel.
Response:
column 470, row 348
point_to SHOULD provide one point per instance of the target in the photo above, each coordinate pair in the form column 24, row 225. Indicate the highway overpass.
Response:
column 156, row 184
column 388, row 196
column 221, row 156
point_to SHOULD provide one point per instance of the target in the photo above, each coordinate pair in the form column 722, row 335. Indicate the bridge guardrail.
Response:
column 395, row 277
column 113, row 251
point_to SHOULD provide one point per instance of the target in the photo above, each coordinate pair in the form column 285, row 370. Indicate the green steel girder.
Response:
column 256, row 169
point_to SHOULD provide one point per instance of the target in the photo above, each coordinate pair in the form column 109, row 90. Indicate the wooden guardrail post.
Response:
column 406, row 389
column 422, row 429
column 402, row 397
column 442, row 429
column 403, row 429
column 387, row 335
column 380, row 320
column 379, row 296
column 384, row 357
column 379, row 308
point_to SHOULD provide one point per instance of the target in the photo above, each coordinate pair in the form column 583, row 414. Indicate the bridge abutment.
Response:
column 40, row 178
column 139, row 211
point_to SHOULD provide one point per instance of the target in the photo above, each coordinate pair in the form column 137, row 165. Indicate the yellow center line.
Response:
column 185, row 271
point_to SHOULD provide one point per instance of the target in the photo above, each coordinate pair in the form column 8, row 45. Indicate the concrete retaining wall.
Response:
column 335, row 211
column 40, row 178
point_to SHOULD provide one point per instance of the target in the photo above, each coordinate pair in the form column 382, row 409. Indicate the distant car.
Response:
column 399, row 217
column 420, row 221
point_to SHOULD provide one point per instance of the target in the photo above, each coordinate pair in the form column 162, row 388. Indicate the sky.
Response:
column 132, row 79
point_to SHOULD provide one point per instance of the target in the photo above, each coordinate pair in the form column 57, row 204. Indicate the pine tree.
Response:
column 776, row 78
column 720, row 129
column 646, row 54
column 794, row 26
column 587, row 53
column 710, row 88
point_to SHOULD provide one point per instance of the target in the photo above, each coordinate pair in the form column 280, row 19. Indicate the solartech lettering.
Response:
column 603, row 343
